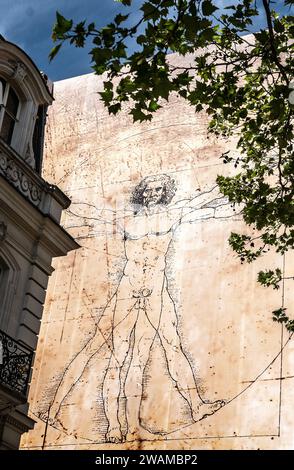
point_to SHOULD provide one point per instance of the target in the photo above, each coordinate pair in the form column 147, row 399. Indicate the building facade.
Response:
column 30, row 232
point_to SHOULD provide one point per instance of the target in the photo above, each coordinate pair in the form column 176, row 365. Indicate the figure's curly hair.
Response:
column 169, row 189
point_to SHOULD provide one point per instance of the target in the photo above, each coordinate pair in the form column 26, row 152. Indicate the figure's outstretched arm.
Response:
column 218, row 208
column 198, row 200
column 89, row 215
column 205, row 205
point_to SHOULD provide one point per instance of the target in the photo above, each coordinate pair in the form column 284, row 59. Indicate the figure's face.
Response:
column 153, row 193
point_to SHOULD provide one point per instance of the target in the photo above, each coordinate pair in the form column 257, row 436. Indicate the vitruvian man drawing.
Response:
column 142, row 309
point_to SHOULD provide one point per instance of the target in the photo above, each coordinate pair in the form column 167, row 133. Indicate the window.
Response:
column 9, row 276
column 9, row 111
column 3, row 281
column 38, row 137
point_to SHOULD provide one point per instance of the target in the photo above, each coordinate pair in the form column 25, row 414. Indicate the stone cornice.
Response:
column 18, row 212
column 23, row 427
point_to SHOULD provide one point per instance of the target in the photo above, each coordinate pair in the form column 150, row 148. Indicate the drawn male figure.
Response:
column 142, row 309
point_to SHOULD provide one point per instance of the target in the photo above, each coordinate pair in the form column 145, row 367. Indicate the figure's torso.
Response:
column 147, row 238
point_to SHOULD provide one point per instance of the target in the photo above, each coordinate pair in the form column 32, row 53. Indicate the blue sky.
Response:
column 28, row 23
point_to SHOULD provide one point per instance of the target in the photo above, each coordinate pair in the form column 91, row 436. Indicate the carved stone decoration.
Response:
column 20, row 72
column 29, row 156
column 3, row 231
column 21, row 181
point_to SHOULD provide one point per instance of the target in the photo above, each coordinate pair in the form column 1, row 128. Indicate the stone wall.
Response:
column 153, row 323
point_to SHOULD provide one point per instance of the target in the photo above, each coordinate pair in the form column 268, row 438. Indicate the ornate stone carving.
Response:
column 29, row 156
column 20, row 72
column 21, row 181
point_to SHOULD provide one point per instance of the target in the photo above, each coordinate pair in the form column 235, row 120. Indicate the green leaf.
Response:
column 141, row 39
column 278, row 26
column 120, row 18
column 153, row 106
column 124, row 2
column 54, row 51
column 138, row 115
column 148, row 9
column 114, row 108
column 91, row 27
column 208, row 8
column 63, row 24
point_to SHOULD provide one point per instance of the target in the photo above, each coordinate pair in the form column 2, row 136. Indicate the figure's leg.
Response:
column 112, row 383
column 179, row 366
column 75, row 369
column 144, row 335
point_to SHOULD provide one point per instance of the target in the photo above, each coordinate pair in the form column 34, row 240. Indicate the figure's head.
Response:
column 154, row 190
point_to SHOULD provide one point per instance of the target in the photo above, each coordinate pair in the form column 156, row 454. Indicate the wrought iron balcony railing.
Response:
column 15, row 364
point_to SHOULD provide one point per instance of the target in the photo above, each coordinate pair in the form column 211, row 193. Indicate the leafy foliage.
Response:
column 242, row 82
column 280, row 316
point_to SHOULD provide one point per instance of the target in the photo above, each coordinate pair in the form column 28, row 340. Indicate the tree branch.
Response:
column 272, row 40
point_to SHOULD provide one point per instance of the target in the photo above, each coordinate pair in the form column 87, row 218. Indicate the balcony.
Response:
column 15, row 367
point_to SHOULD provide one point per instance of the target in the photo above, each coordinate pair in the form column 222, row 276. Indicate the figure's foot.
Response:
column 114, row 435
column 52, row 420
column 206, row 409
column 139, row 434
column 46, row 417
column 57, row 423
